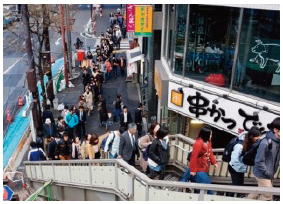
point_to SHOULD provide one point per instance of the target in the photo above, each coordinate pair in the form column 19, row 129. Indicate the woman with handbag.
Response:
column 201, row 157
column 159, row 154
column 144, row 142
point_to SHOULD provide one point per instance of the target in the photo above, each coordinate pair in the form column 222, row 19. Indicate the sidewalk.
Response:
column 110, row 89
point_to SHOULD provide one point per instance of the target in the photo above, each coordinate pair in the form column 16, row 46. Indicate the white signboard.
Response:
column 227, row 115
column 131, row 68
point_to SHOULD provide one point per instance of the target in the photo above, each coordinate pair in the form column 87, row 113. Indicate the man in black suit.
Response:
column 86, row 79
column 138, row 119
column 49, row 130
column 128, row 147
column 48, row 114
column 81, row 113
column 52, row 154
column 125, row 118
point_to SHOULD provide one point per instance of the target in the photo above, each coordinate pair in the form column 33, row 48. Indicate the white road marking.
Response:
column 10, row 43
column 14, row 64
column 57, row 42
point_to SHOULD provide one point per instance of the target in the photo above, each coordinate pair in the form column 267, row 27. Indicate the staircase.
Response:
column 124, row 45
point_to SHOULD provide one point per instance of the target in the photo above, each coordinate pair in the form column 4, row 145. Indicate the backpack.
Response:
column 249, row 156
column 229, row 149
column 102, row 146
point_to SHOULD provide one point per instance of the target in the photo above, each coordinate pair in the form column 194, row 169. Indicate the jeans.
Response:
column 237, row 179
column 107, row 75
column 113, row 156
column 117, row 112
column 104, row 76
column 200, row 177
column 115, row 71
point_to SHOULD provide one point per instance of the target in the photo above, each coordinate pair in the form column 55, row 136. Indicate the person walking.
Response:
column 108, row 69
column 236, row 167
column 144, row 142
column 81, row 113
column 89, row 58
column 84, row 147
column 128, row 147
column 138, row 119
column 267, row 159
column 47, row 114
column 52, row 154
column 76, row 149
column 64, row 147
column 103, row 115
column 86, row 79
column 115, row 66
column 159, row 154
column 103, row 70
column 125, row 118
column 89, row 101
column 113, row 142
column 117, row 105
column 72, row 121
column 122, row 65
column 65, row 112
column 93, row 147
column 49, row 130
column 201, row 156
column 36, row 154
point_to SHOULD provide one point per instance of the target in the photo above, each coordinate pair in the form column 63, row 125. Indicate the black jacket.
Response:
column 103, row 114
column 86, row 79
column 52, row 149
column 129, row 118
column 83, row 117
column 64, row 148
column 48, row 114
column 158, row 153
column 46, row 130
column 138, row 116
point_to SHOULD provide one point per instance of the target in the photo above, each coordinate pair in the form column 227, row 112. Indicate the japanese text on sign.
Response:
column 143, row 20
column 177, row 98
column 130, row 10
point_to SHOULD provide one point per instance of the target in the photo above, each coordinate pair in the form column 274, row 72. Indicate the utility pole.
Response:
column 69, row 40
column 46, row 56
column 66, row 71
column 31, row 73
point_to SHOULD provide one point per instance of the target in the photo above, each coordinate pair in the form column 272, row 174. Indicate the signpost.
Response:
column 143, row 20
column 7, row 193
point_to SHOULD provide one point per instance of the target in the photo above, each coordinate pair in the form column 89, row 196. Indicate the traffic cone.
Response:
column 9, row 117
column 20, row 101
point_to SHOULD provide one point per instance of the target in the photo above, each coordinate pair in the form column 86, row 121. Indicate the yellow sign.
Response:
column 143, row 20
column 177, row 98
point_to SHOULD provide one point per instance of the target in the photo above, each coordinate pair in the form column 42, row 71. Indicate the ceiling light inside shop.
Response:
column 196, row 121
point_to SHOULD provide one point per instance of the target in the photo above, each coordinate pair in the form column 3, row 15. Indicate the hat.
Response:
column 47, row 121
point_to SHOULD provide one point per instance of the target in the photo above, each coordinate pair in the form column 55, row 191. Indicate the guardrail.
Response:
column 130, row 182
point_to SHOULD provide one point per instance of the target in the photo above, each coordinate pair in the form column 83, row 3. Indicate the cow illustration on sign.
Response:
column 262, row 51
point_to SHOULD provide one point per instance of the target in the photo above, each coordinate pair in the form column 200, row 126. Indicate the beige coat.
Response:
column 144, row 141
column 89, row 100
column 85, row 149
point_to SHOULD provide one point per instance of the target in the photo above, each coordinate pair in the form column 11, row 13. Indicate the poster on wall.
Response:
column 131, row 68
column 143, row 20
column 229, row 115
column 130, row 10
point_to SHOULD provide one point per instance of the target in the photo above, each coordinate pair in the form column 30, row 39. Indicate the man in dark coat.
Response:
column 86, row 79
column 52, row 154
column 125, row 118
column 64, row 147
column 122, row 64
column 49, row 130
column 47, row 114
column 115, row 65
column 81, row 113
column 138, row 119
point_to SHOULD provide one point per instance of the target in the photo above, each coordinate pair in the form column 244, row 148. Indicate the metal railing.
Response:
column 129, row 182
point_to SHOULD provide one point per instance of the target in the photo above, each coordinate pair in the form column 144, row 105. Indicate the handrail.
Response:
column 150, row 182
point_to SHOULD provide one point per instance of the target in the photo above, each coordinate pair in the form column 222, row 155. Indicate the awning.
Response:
column 134, row 55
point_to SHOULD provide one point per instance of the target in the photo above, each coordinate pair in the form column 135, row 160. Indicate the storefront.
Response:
column 224, row 62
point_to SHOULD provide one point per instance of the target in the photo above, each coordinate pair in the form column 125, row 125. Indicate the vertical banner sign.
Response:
column 143, row 20
column 130, row 10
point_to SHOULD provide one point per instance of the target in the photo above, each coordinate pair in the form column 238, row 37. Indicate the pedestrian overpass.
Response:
column 113, row 180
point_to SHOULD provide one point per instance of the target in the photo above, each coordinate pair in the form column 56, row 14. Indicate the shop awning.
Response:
column 134, row 55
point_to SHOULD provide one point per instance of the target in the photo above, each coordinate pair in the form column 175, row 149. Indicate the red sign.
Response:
column 130, row 17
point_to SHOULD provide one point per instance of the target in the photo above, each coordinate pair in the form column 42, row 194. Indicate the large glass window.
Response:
column 258, row 66
column 170, row 21
column 179, row 40
column 211, row 44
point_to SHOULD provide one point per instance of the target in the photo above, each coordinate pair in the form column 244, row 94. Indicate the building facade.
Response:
column 220, row 65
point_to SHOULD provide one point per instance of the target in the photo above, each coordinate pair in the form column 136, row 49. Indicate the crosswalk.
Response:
column 124, row 45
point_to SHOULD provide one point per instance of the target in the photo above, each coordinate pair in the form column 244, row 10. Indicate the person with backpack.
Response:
column 117, row 104
column 112, row 143
column 159, row 154
column 144, row 144
column 267, row 159
column 201, row 157
column 237, row 148
column 36, row 154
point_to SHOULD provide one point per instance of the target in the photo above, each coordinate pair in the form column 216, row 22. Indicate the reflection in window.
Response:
column 211, row 44
column 258, row 67
column 180, row 33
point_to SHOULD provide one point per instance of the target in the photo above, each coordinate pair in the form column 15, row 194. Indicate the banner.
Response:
column 143, row 20
column 130, row 10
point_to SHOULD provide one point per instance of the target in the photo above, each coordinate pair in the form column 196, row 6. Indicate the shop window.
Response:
column 258, row 65
column 179, row 41
column 211, row 44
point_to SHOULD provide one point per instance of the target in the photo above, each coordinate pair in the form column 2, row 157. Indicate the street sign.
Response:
column 7, row 193
column 143, row 20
